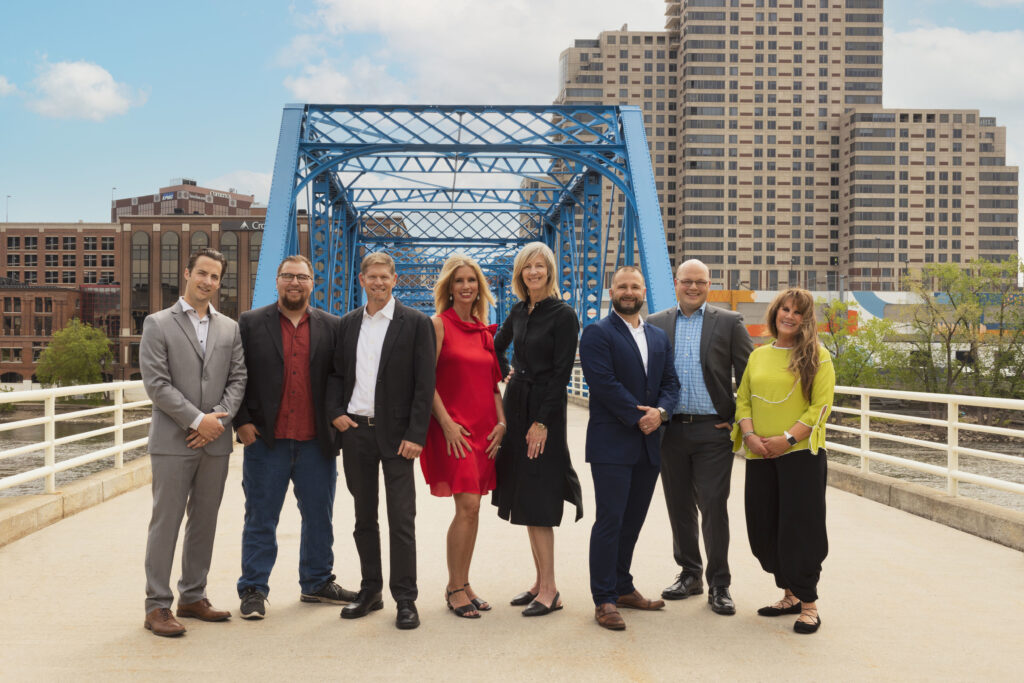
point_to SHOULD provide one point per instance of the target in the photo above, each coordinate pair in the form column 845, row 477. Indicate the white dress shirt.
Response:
column 639, row 336
column 202, row 327
column 371, row 342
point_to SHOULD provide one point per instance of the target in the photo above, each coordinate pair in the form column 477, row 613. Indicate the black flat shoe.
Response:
column 539, row 609
column 524, row 598
column 773, row 611
column 685, row 585
column 466, row 611
column 804, row 627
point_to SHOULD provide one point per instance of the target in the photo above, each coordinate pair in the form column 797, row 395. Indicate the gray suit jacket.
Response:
column 725, row 346
column 182, row 383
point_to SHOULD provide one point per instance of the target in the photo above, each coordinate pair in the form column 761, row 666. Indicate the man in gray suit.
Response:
column 193, row 369
column 711, row 347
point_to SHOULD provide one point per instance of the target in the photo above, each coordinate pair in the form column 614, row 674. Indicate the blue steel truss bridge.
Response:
column 423, row 182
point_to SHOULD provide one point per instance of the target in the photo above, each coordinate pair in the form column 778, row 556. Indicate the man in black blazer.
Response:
column 379, row 397
column 289, row 353
column 710, row 347
column 628, row 368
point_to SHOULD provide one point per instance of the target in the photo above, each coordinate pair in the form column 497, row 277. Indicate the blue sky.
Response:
column 131, row 94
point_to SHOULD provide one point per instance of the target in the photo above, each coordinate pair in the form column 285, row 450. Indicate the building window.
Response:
column 52, row 243
column 89, row 260
column 70, row 244
column 10, row 355
column 69, row 260
column 31, row 277
column 12, row 304
column 89, row 243
column 89, row 277
column 107, row 243
column 31, row 242
column 43, row 326
column 169, row 261
column 31, row 260
column 229, row 282
column 139, row 280
column 37, row 351
column 107, row 277
column 44, row 304
column 51, row 260
column 12, row 325
column 13, row 260
column 51, row 277
column 14, row 243
column 13, row 275
column 107, row 260
column 68, row 277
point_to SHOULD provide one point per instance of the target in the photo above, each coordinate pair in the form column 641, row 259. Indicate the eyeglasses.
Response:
column 690, row 283
column 289, row 277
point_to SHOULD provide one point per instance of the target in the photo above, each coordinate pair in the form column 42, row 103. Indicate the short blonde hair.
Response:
column 522, row 258
column 443, row 299
column 377, row 258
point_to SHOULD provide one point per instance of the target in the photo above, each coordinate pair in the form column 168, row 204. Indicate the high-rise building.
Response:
column 751, row 111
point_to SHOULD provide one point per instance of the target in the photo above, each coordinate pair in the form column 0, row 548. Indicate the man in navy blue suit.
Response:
column 628, row 366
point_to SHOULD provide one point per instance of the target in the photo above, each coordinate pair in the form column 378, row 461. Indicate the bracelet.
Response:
column 541, row 425
column 504, row 425
column 746, row 434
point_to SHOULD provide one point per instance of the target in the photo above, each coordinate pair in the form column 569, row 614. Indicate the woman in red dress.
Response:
column 468, row 421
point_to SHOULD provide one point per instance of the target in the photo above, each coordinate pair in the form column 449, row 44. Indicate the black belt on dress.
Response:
column 683, row 417
column 362, row 420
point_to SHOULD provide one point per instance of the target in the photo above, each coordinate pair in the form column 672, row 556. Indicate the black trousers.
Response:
column 696, row 473
column 362, row 462
column 785, row 506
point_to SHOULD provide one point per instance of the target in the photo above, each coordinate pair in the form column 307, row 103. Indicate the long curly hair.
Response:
column 443, row 286
column 804, row 360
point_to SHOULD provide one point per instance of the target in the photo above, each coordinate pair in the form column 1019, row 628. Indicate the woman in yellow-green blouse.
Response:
column 783, row 401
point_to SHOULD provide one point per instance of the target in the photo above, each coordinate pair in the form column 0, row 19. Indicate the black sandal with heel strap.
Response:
column 463, row 611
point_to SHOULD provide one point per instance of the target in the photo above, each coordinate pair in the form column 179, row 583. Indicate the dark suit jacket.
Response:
column 615, row 377
column 405, row 377
column 725, row 346
column 264, row 359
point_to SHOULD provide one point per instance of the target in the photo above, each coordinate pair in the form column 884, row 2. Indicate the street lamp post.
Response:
column 7, row 209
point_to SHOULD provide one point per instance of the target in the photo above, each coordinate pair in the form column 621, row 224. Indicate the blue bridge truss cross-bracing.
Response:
column 422, row 182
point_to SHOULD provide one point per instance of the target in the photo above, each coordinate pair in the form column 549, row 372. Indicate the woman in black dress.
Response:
column 535, row 475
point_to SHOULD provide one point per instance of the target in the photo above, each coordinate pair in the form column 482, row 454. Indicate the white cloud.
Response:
column 81, row 90
column 947, row 68
column 360, row 81
column 463, row 51
column 244, row 182
column 6, row 87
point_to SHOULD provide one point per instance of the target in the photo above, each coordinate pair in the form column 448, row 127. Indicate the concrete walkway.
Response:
column 902, row 599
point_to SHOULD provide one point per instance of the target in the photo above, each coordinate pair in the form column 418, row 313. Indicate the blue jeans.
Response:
column 265, row 475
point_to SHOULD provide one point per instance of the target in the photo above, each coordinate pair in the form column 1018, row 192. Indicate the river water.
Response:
column 28, row 461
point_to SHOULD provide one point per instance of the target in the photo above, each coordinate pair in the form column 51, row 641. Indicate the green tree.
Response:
column 76, row 355
column 863, row 352
column 974, row 309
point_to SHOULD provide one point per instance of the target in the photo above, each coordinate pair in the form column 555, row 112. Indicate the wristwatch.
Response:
column 663, row 413
column 790, row 438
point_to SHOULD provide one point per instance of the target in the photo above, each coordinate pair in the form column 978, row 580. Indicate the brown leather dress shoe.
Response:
column 162, row 623
column 636, row 601
column 202, row 609
column 608, row 617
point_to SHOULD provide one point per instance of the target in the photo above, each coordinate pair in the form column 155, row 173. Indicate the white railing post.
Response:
column 865, row 427
column 49, row 434
column 119, row 432
column 953, row 447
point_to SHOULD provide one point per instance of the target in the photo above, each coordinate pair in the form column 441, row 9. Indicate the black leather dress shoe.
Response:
column 407, row 617
column 685, row 586
column 364, row 603
column 720, row 600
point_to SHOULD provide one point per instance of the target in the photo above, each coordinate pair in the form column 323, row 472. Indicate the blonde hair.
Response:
column 804, row 361
column 522, row 258
column 443, row 287
column 377, row 258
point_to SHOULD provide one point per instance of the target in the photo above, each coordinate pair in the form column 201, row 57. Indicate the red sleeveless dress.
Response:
column 467, row 378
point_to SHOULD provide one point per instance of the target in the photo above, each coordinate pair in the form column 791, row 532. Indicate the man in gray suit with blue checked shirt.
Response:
column 193, row 368
column 711, row 346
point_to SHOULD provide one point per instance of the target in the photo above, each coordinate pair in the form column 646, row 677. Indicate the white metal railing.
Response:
column 953, row 425
column 49, row 420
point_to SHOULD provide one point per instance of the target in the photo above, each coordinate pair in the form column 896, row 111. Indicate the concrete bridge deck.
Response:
column 902, row 599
